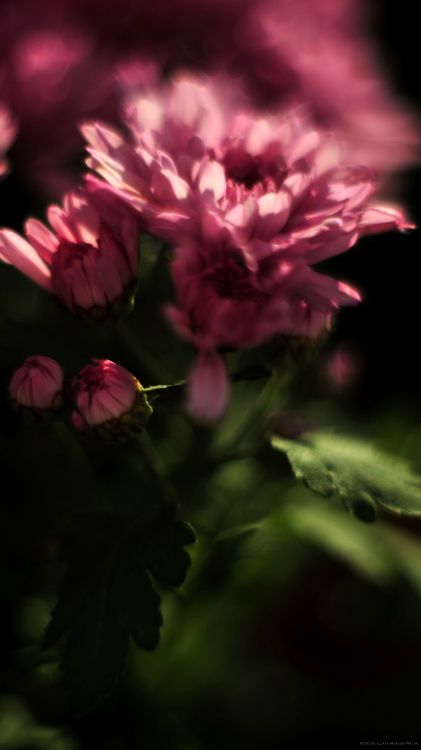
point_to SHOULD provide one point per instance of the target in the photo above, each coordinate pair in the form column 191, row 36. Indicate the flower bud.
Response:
column 109, row 401
column 37, row 385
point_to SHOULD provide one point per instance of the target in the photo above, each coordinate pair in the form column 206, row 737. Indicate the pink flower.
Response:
column 251, row 205
column 319, row 52
column 51, row 77
column 7, row 134
column 37, row 384
column 89, row 261
column 199, row 157
column 109, row 400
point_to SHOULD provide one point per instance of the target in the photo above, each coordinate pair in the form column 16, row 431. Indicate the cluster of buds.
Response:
column 105, row 398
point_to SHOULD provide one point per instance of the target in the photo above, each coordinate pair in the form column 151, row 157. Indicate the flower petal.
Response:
column 212, row 179
column 208, row 388
column 44, row 241
column 17, row 251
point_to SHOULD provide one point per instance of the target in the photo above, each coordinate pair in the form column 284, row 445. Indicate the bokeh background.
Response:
column 307, row 635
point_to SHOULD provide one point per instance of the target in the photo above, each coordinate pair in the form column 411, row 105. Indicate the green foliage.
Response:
column 381, row 553
column 108, row 596
column 363, row 476
column 362, row 548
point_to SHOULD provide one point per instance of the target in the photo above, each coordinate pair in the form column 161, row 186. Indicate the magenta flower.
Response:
column 89, row 261
column 251, row 205
column 320, row 53
column 51, row 77
column 109, row 400
column 199, row 157
column 37, row 384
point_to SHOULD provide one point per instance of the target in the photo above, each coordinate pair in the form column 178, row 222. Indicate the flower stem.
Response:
column 255, row 373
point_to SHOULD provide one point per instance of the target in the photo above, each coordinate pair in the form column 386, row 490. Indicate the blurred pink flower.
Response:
column 51, row 77
column 109, row 399
column 89, row 261
column 316, row 53
column 343, row 367
column 320, row 52
column 61, row 63
column 37, row 384
column 7, row 135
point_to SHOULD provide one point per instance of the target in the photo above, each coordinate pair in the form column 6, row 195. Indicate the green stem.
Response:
column 255, row 373
column 160, row 388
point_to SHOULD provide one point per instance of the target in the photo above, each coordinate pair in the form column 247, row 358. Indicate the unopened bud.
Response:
column 37, row 385
column 109, row 401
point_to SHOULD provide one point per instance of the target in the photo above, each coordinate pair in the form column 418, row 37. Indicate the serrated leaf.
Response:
column 363, row 475
column 108, row 596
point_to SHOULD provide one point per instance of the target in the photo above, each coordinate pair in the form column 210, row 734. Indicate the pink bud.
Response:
column 37, row 384
column 109, row 400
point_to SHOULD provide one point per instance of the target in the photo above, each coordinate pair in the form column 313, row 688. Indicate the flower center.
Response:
column 232, row 280
column 251, row 176
column 245, row 170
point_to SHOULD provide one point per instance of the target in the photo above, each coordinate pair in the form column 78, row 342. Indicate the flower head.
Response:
column 89, row 261
column 199, row 157
column 37, row 384
column 51, row 77
column 251, row 204
column 109, row 400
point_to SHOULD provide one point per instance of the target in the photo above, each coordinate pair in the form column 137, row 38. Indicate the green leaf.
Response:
column 406, row 550
column 364, row 476
column 108, row 596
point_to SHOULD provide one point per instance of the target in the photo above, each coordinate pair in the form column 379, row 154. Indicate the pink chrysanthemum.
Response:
column 197, row 152
column 89, row 261
column 251, row 205
column 37, row 384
